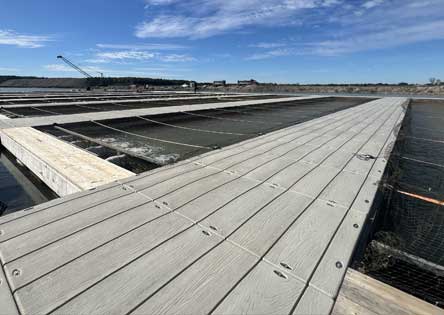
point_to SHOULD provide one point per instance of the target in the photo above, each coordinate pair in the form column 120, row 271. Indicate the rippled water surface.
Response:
column 18, row 188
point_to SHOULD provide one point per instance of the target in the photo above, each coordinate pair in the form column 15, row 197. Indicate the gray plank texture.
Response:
column 257, row 227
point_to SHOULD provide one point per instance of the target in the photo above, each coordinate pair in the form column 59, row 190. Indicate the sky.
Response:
column 282, row 41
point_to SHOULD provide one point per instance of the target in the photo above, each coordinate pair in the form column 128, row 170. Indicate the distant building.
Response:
column 247, row 82
column 220, row 83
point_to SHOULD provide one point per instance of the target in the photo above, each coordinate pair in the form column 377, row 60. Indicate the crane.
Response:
column 69, row 63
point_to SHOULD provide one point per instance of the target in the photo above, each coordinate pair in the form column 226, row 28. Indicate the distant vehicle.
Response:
column 247, row 82
column 220, row 83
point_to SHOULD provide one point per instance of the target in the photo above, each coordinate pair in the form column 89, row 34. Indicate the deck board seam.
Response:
column 308, row 282
column 284, row 233
column 288, row 189
column 232, row 232
column 294, row 128
column 122, row 267
column 331, row 240
column 219, row 172
column 191, row 160
column 109, row 200
column 216, row 245
column 248, row 158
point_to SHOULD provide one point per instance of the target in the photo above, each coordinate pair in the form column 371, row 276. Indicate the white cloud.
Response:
column 126, row 54
column 200, row 19
column 271, row 54
column 268, row 45
column 380, row 39
column 141, row 46
column 175, row 58
column 8, row 37
column 137, row 55
column 97, row 60
column 369, row 25
column 372, row 3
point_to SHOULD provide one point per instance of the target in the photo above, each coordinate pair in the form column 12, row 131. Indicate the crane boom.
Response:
column 69, row 63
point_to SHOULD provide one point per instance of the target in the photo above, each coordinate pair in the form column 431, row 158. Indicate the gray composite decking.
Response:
column 264, row 226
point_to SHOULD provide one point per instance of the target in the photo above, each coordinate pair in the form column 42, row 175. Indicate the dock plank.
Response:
column 63, row 167
column 216, row 272
column 46, row 234
column 261, row 231
column 43, row 215
column 211, row 201
column 256, row 227
column 231, row 216
column 176, row 183
column 7, row 301
column 331, row 270
column 72, row 247
column 361, row 294
column 265, row 290
column 318, row 223
column 313, row 302
column 343, row 188
column 194, row 190
column 56, row 288
column 164, row 263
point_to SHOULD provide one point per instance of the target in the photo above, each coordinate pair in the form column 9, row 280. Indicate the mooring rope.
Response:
column 425, row 139
column 228, row 119
column 44, row 110
column 195, row 129
column 420, row 161
column 154, row 139
column 423, row 198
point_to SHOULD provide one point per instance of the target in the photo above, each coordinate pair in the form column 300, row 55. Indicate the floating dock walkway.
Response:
column 64, row 168
column 265, row 226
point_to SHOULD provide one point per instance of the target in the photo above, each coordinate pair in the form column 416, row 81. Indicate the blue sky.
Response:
column 294, row 41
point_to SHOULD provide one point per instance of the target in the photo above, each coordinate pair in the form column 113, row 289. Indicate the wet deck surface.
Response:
column 267, row 225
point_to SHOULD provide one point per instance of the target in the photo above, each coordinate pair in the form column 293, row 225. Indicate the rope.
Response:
column 84, row 106
column 420, row 161
column 229, row 119
column 245, row 113
column 427, row 199
column 44, row 110
column 193, row 129
column 150, row 138
column 12, row 113
column 424, row 139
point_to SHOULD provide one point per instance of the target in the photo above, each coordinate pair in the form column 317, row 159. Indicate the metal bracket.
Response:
column 365, row 157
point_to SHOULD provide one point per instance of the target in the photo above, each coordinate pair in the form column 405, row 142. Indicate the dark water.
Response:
column 19, row 189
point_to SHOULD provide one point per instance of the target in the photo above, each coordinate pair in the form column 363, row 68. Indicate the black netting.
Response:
column 325, row 105
column 407, row 246
column 164, row 139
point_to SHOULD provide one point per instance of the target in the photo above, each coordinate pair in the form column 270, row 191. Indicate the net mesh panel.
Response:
column 178, row 136
column 87, row 108
column 116, row 105
column 83, row 98
column 407, row 248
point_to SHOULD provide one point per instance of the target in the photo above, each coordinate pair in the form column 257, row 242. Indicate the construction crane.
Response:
column 69, row 63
